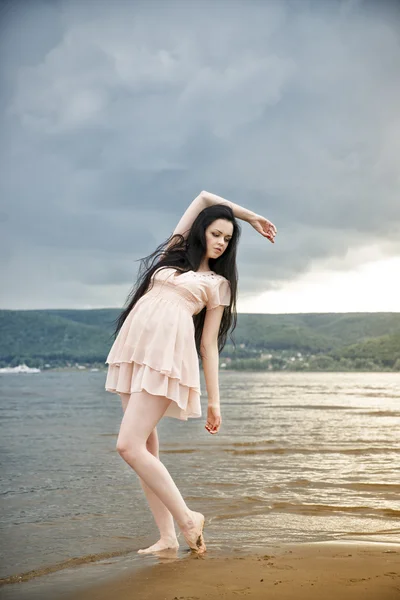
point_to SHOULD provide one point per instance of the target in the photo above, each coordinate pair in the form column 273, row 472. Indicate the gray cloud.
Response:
column 115, row 116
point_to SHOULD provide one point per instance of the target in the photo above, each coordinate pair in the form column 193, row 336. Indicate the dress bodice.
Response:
column 198, row 289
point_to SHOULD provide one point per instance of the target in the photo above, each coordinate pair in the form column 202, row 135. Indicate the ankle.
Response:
column 190, row 521
column 168, row 537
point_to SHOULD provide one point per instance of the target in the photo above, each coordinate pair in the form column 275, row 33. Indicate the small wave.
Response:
column 219, row 484
column 383, row 488
column 382, row 395
column 380, row 413
column 323, row 509
column 372, row 487
column 274, row 488
column 294, row 450
column 65, row 564
column 230, row 502
column 394, row 531
column 312, row 406
column 299, row 482
column 249, row 402
column 236, row 510
column 248, row 452
column 33, row 490
column 258, row 443
column 373, row 395
column 178, row 451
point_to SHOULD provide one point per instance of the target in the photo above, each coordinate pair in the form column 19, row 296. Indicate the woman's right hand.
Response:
column 214, row 419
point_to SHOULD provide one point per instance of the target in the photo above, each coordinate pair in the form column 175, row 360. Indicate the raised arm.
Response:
column 187, row 219
column 238, row 211
column 190, row 214
column 260, row 224
column 205, row 199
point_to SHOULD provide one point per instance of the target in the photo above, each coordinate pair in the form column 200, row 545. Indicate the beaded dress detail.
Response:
column 155, row 348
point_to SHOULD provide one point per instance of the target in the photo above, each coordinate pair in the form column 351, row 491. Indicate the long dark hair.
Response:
column 186, row 255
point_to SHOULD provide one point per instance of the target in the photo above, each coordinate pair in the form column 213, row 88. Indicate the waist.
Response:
column 164, row 290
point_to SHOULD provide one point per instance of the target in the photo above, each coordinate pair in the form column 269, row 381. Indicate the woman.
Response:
column 180, row 310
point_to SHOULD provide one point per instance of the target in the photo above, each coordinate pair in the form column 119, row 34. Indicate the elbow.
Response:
column 208, row 349
column 204, row 196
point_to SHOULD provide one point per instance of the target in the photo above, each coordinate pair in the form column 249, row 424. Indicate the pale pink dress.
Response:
column 155, row 348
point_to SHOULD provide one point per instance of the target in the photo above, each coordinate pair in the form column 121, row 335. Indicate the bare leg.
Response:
column 162, row 516
column 141, row 416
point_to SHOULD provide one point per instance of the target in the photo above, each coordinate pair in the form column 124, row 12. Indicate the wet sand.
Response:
column 320, row 571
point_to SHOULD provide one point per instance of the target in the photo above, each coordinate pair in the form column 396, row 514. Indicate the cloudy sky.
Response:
column 115, row 115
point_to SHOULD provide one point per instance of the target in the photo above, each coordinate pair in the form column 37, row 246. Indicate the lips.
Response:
column 218, row 249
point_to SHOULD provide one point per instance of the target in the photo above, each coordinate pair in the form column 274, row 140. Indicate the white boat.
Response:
column 19, row 369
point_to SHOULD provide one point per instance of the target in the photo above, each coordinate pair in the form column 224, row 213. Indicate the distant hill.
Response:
column 332, row 341
column 314, row 330
column 386, row 347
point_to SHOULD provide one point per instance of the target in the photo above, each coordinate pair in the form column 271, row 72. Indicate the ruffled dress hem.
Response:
column 128, row 377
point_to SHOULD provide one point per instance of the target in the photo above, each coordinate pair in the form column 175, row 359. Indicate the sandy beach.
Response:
column 328, row 571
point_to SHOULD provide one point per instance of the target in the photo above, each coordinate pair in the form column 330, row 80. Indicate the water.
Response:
column 300, row 457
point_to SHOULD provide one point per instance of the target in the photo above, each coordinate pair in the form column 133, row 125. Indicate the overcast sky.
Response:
column 115, row 115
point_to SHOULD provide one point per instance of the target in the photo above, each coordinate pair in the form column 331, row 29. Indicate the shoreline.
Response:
column 329, row 569
column 102, row 369
column 304, row 571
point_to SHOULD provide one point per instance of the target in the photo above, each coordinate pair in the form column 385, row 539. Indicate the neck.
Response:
column 204, row 266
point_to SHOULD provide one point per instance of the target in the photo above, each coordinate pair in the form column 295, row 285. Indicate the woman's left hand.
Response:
column 263, row 226
column 214, row 419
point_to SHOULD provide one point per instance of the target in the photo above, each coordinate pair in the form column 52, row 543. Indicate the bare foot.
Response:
column 160, row 545
column 193, row 533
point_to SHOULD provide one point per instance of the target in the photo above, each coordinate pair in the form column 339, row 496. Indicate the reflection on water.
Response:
column 300, row 456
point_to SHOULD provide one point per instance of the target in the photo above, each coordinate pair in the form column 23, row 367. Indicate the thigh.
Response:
column 124, row 400
column 141, row 416
column 152, row 441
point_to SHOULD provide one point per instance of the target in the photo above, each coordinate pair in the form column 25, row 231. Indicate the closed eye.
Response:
column 216, row 235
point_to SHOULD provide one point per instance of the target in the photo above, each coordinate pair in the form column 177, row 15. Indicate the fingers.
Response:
column 271, row 233
column 212, row 431
column 212, row 428
column 265, row 227
column 269, row 230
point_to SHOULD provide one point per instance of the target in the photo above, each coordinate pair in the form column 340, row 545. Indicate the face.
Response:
column 218, row 235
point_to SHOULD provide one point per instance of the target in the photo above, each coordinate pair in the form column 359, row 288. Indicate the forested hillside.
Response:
column 335, row 341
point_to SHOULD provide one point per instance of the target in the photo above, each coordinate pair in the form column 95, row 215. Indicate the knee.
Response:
column 130, row 451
